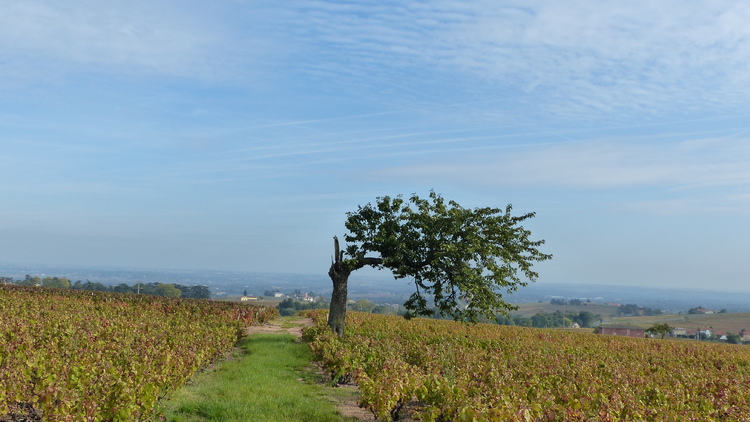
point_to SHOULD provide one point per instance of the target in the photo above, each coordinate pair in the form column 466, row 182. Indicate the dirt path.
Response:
column 293, row 327
column 346, row 403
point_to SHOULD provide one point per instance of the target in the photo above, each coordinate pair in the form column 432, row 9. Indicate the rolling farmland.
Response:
column 729, row 322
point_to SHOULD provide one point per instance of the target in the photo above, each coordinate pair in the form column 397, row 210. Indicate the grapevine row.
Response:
column 461, row 372
column 92, row 356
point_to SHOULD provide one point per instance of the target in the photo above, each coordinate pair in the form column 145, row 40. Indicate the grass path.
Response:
column 268, row 379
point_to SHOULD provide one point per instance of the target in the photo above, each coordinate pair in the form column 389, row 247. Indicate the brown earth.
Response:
column 22, row 412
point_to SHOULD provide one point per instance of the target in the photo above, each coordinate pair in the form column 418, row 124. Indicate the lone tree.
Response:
column 459, row 258
column 659, row 328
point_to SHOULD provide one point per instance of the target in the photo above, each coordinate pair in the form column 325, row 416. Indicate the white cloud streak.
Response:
column 712, row 165
column 180, row 39
column 583, row 56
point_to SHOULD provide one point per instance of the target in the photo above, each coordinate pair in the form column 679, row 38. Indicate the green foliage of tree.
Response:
column 168, row 290
column 363, row 305
column 554, row 320
column 93, row 286
column 194, row 292
column 635, row 310
column 290, row 306
column 147, row 288
column 154, row 289
column 585, row 319
column 659, row 328
column 30, row 281
column 56, row 282
column 122, row 288
column 461, row 260
column 383, row 310
column 549, row 320
column 504, row 320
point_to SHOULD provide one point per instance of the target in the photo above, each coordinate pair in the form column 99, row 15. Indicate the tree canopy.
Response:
column 659, row 328
column 461, row 260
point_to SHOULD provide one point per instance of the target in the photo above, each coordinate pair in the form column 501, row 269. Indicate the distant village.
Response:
column 706, row 334
column 678, row 332
column 295, row 295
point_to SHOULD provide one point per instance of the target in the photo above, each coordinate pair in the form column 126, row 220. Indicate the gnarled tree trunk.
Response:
column 339, row 273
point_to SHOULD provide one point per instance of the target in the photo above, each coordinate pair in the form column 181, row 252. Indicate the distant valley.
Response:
column 379, row 287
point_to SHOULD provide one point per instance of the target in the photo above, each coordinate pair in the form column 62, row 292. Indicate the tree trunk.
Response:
column 339, row 274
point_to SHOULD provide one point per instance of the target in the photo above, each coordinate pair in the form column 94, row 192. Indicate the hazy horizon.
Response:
column 360, row 279
column 232, row 136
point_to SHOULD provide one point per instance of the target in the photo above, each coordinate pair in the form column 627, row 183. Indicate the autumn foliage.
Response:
column 93, row 356
column 461, row 372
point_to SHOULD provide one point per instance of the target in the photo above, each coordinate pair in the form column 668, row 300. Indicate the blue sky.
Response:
column 235, row 135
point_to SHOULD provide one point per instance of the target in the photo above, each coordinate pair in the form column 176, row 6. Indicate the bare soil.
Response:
column 22, row 412
column 274, row 326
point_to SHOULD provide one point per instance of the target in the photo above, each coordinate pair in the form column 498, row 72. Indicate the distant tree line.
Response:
column 364, row 305
column 556, row 319
column 290, row 306
column 635, row 310
column 572, row 302
column 154, row 289
column 624, row 310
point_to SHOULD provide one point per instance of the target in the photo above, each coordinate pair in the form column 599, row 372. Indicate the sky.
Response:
column 236, row 135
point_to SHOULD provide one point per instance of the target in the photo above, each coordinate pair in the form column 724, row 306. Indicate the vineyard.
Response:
column 458, row 372
column 91, row 356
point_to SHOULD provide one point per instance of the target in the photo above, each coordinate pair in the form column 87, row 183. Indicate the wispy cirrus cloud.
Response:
column 583, row 57
column 184, row 39
column 571, row 59
column 697, row 169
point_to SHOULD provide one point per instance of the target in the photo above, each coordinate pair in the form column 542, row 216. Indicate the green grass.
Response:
column 289, row 322
column 269, row 380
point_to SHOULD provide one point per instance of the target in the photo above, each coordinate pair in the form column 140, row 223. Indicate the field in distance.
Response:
column 726, row 322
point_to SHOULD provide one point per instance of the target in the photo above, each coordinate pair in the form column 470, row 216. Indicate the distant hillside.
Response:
column 380, row 287
column 726, row 322
column 529, row 309
column 729, row 322
column 671, row 300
